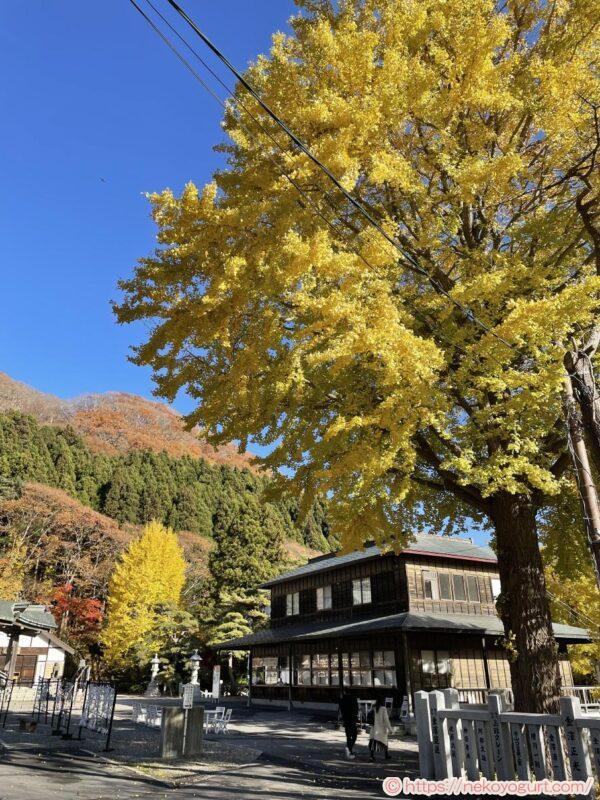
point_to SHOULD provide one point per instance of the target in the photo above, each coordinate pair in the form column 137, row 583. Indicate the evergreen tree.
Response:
column 148, row 577
column 189, row 511
column 248, row 551
column 122, row 500
column 140, row 486
column 64, row 466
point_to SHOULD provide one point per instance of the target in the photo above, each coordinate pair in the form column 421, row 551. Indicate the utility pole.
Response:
column 583, row 474
column 578, row 363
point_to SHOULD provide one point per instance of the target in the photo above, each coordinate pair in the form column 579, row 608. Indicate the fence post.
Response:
column 577, row 748
column 454, row 734
column 537, row 750
column 442, row 763
column 423, row 721
column 555, row 750
column 519, row 747
column 482, row 735
column 500, row 737
column 468, row 739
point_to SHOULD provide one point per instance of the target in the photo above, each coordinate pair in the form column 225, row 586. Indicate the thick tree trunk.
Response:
column 523, row 606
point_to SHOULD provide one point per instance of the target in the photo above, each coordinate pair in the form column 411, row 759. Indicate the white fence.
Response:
column 495, row 742
column 479, row 695
column 588, row 696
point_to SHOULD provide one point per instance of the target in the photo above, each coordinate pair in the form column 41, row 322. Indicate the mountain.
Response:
column 116, row 422
column 69, row 542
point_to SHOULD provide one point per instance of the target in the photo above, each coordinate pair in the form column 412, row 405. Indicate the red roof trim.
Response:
column 455, row 556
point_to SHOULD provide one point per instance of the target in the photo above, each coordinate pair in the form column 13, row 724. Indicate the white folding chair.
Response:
column 223, row 723
column 214, row 719
column 154, row 716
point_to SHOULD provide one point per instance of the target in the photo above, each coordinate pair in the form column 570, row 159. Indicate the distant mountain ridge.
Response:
column 117, row 422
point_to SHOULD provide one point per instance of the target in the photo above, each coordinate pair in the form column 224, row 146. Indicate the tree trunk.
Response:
column 583, row 475
column 523, row 606
column 579, row 365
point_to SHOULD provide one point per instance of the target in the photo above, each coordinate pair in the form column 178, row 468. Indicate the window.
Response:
column 361, row 591
column 270, row 671
column 384, row 672
column 360, row 668
column 292, row 604
column 473, row 588
column 430, row 585
column 323, row 597
column 319, row 669
column 445, row 586
column 363, row 668
column 304, row 670
column 436, row 669
column 458, row 584
column 457, row 587
column 496, row 588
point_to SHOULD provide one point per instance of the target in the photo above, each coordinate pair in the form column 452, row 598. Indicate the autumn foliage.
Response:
column 418, row 385
column 78, row 618
column 146, row 582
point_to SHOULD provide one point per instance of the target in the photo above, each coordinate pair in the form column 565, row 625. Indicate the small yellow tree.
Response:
column 148, row 577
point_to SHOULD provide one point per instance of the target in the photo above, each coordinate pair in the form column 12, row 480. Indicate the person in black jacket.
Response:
column 349, row 714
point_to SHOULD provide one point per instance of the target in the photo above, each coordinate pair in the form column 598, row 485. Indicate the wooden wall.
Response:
column 415, row 567
column 388, row 591
column 499, row 668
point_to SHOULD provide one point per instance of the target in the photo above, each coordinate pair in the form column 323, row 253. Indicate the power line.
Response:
column 470, row 315
column 282, row 171
column 577, row 614
column 237, row 101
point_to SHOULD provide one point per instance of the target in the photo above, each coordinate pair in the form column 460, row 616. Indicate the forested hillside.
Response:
column 69, row 515
column 117, row 422
column 141, row 485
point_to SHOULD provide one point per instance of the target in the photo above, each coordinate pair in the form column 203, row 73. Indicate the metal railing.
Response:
column 588, row 696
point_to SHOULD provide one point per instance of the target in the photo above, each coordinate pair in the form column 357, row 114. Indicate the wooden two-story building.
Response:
column 385, row 624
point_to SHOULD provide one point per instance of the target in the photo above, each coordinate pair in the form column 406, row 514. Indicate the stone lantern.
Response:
column 152, row 689
column 195, row 662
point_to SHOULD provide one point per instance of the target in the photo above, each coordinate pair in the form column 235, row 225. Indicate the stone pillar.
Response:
column 181, row 732
column 194, row 729
column 171, row 732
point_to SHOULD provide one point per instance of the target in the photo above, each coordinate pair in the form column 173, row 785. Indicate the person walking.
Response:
column 349, row 714
column 380, row 730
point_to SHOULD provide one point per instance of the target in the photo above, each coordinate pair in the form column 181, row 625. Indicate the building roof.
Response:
column 480, row 624
column 29, row 616
column 423, row 544
column 58, row 643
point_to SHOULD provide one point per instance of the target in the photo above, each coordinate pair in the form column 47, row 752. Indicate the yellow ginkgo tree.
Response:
column 147, row 581
column 418, row 384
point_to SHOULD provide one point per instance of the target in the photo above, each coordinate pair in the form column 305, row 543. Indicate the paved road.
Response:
column 302, row 758
column 31, row 774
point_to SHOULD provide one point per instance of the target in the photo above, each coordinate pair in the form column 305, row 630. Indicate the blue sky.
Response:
column 95, row 112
